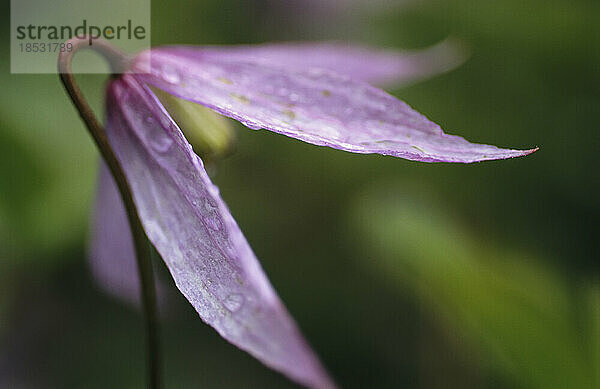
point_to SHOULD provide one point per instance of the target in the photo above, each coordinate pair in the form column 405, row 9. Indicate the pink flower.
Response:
column 315, row 93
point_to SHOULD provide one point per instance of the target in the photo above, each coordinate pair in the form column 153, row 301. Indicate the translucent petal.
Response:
column 191, row 227
column 315, row 106
column 375, row 66
column 111, row 252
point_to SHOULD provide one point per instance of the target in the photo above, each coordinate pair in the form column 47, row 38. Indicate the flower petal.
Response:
column 202, row 245
column 111, row 253
column 375, row 66
column 315, row 106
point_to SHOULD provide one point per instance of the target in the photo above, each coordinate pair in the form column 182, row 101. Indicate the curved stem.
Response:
column 118, row 63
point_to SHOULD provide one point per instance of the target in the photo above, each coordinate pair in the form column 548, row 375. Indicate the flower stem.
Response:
column 118, row 61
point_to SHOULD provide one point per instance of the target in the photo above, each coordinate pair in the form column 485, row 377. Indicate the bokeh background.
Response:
column 401, row 274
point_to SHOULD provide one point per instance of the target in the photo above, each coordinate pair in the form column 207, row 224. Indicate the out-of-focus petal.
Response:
column 200, row 242
column 315, row 106
column 111, row 252
column 375, row 66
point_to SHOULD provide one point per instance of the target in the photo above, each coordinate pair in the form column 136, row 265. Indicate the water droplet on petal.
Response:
column 234, row 302
column 170, row 74
column 240, row 98
column 162, row 143
column 213, row 190
column 225, row 80
column 213, row 223
column 290, row 114
column 419, row 148
column 252, row 126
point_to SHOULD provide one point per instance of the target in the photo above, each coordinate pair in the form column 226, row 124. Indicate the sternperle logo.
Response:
column 90, row 32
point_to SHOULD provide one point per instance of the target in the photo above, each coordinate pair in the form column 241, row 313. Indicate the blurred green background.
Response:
column 400, row 274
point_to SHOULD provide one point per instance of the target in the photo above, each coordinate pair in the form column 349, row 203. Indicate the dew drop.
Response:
column 225, row 80
column 418, row 148
column 213, row 223
column 251, row 126
column 240, row 98
column 170, row 74
column 162, row 143
column 234, row 302
column 213, row 190
column 290, row 114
